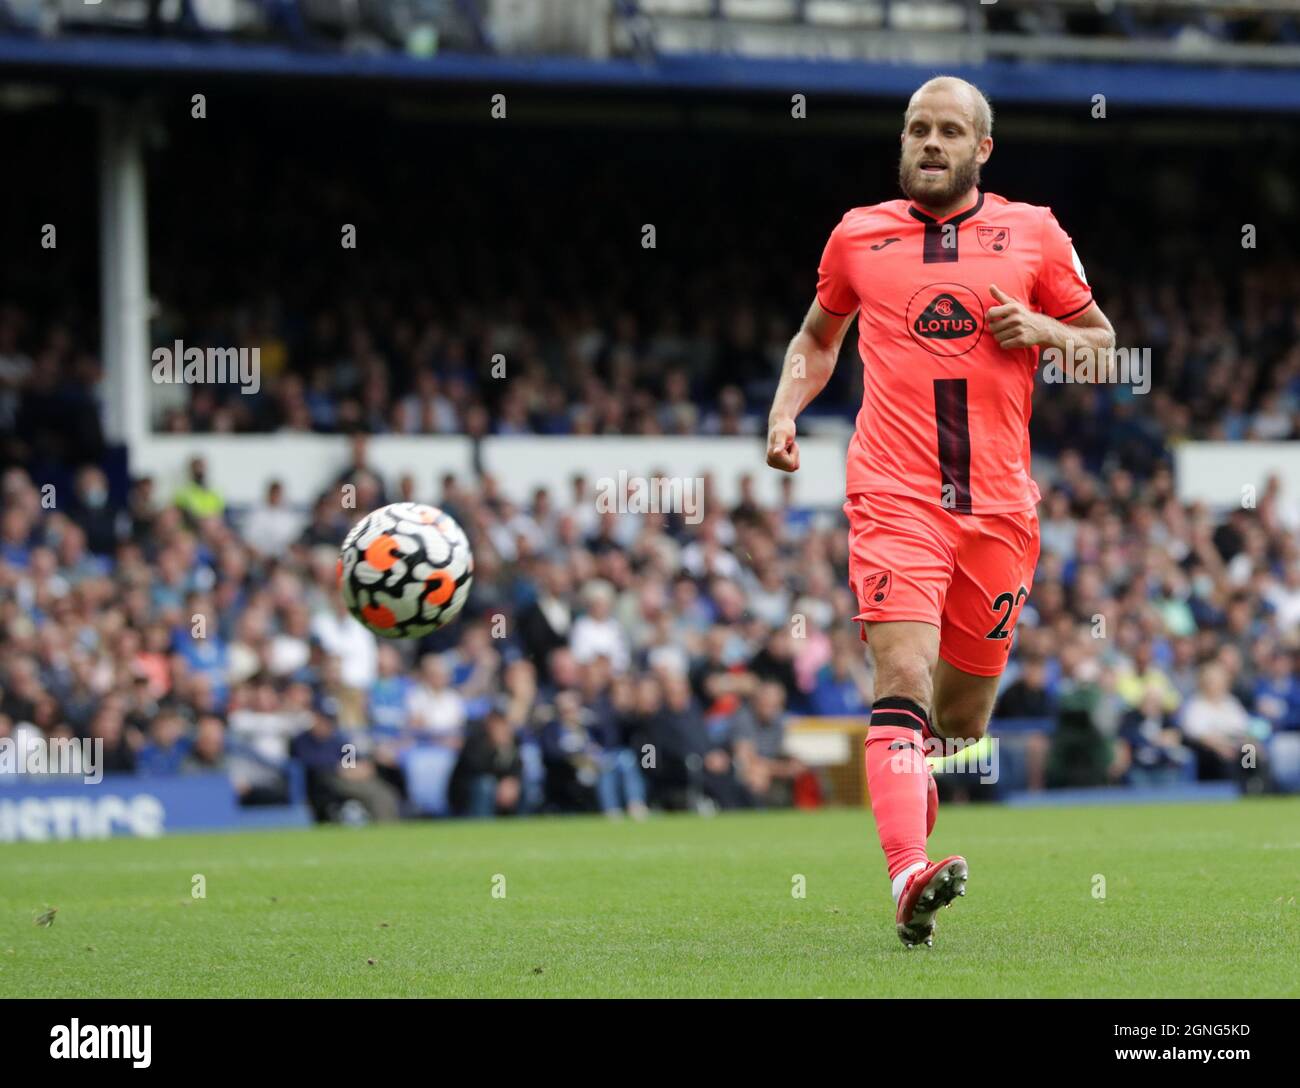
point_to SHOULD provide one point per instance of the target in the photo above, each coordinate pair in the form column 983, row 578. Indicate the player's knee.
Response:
column 969, row 722
column 903, row 676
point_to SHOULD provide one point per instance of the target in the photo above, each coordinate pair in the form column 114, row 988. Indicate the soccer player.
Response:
column 955, row 290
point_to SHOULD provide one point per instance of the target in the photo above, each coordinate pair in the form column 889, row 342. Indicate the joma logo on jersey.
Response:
column 945, row 318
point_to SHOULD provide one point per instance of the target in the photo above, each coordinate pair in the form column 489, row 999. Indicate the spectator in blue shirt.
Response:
column 620, row 786
column 337, row 774
column 15, row 537
column 1156, row 753
column 388, row 698
column 199, row 642
column 844, row 685
column 1277, row 693
column 166, row 748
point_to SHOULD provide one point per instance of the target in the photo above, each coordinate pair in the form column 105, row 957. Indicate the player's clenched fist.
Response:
column 1013, row 323
column 782, row 449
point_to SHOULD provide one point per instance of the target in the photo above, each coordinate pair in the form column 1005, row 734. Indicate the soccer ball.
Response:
column 405, row 570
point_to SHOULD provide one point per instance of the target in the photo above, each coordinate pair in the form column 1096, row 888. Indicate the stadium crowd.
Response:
column 1224, row 365
column 612, row 662
column 1224, row 374
column 426, row 26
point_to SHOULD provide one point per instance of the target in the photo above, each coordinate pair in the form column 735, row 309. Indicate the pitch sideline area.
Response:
column 1125, row 901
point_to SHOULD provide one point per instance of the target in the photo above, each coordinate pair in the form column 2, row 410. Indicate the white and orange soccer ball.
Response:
column 405, row 570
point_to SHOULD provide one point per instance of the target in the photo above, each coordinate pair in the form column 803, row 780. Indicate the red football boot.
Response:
column 926, row 890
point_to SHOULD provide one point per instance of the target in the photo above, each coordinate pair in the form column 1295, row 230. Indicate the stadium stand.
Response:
column 620, row 630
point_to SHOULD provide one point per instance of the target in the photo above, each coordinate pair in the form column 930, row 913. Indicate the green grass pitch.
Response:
column 1200, row 900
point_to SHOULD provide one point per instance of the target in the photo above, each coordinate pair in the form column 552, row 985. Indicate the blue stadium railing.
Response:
column 294, row 51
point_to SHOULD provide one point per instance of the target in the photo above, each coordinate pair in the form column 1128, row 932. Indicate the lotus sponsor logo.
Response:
column 945, row 318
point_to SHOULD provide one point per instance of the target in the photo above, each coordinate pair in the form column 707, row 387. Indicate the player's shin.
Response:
column 897, row 779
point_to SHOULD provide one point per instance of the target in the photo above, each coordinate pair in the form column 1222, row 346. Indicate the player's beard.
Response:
column 962, row 177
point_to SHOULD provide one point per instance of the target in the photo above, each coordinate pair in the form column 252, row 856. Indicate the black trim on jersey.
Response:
column 833, row 313
column 934, row 251
column 954, row 442
column 1075, row 313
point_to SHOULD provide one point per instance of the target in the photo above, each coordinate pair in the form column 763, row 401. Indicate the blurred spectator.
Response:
column 262, row 718
column 1081, row 753
column 1216, row 726
column 766, row 769
column 1027, row 696
column 436, row 715
column 1156, row 754
column 270, row 529
column 195, row 498
column 434, row 707
column 545, row 624
column 92, row 512
column 488, row 777
column 570, row 755
column 343, row 638
column 596, row 632
column 337, row 776
column 167, row 746
column 616, row 728
column 208, row 753
column 118, row 753
column 368, row 489
column 691, row 769
column 256, row 782
column 1277, row 693
column 845, row 685
column 1142, row 676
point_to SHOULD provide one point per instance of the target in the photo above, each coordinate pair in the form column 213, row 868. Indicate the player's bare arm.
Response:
column 809, row 363
column 1016, row 326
